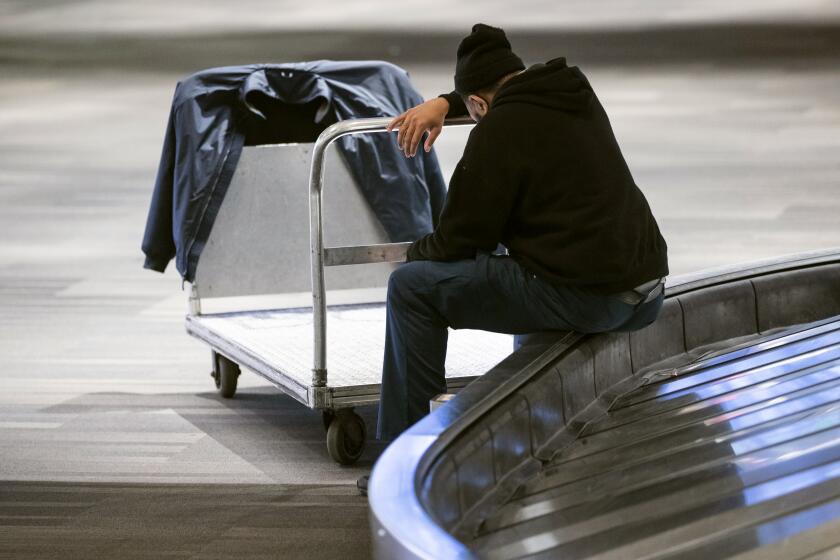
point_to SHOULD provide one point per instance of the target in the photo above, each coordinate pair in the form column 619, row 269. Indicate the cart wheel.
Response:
column 214, row 373
column 346, row 437
column 327, row 417
column 225, row 374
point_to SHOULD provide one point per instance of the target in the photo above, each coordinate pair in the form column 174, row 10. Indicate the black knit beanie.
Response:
column 484, row 56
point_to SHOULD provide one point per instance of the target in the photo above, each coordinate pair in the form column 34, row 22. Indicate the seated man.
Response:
column 543, row 175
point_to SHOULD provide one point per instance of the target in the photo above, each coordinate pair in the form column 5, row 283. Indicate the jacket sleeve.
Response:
column 457, row 108
column 480, row 200
column 158, row 244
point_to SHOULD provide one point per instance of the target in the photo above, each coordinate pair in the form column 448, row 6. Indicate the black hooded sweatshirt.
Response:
column 542, row 174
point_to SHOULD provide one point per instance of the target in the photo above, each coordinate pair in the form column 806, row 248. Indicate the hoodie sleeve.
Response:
column 479, row 203
column 457, row 108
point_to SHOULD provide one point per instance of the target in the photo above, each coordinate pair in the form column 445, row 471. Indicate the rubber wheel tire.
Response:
column 214, row 372
column 327, row 418
column 346, row 437
column 227, row 374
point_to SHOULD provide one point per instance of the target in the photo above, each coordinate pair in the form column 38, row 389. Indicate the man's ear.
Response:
column 480, row 102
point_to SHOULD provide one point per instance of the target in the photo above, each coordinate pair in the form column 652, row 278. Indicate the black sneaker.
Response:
column 362, row 484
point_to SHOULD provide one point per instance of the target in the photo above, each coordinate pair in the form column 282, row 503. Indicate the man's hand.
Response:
column 426, row 117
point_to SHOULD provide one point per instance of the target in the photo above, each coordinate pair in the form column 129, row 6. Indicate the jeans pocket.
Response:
column 644, row 316
column 586, row 311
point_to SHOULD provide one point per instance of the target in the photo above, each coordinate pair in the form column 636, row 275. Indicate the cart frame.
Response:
column 321, row 256
column 346, row 432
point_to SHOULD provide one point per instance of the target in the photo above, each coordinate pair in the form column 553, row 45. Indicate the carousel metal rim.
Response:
column 396, row 511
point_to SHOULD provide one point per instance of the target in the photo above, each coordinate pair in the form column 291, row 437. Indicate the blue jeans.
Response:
column 491, row 293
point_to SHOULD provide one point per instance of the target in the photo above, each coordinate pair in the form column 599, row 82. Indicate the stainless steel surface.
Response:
column 750, row 449
column 439, row 400
column 365, row 254
column 316, row 228
column 278, row 344
column 259, row 244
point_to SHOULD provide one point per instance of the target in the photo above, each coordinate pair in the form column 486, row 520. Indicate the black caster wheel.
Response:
column 327, row 417
column 346, row 437
column 225, row 374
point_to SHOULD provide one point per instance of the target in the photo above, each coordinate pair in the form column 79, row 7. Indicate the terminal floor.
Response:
column 112, row 441
column 126, row 474
column 52, row 520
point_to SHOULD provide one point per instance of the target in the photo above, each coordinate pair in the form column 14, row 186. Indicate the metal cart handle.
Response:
column 321, row 256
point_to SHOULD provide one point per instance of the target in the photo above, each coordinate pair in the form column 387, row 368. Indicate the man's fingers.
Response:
column 396, row 121
column 404, row 145
column 411, row 132
column 411, row 140
column 400, row 133
column 430, row 139
column 416, row 136
column 405, row 127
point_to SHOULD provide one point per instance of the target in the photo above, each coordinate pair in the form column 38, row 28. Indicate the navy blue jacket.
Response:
column 207, row 130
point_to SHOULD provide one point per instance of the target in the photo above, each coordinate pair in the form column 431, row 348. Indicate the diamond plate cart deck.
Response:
column 278, row 345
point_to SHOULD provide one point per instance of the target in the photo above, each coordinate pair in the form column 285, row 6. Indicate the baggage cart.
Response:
column 260, row 297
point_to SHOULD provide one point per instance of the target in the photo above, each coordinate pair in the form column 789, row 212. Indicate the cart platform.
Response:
column 277, row 345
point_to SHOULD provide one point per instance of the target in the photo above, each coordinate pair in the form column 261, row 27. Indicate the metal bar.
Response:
column 316, row 228
column 194, row 302
column 365, row 254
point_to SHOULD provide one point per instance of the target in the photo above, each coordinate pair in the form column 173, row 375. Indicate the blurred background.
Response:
column 111, row 437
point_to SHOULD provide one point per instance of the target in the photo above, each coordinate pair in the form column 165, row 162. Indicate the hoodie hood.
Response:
column 552, row 85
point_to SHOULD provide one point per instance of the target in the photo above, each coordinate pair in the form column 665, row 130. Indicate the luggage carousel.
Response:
column 713, row 433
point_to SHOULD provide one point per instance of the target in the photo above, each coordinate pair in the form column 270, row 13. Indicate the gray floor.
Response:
column 77, row 520
column 111, row 438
